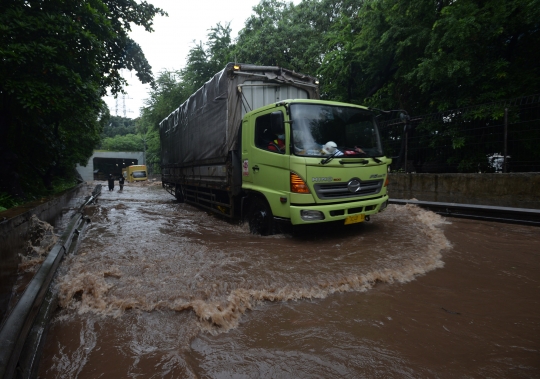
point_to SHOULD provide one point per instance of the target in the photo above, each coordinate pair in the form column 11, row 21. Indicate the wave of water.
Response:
column 177, row 258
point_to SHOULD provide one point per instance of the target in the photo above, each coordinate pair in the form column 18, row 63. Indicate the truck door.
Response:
column 269, row 158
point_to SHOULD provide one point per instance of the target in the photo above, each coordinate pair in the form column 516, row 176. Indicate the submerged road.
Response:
column 159, row 289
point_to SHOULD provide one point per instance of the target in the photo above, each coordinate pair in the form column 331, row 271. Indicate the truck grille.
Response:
column 341, row 191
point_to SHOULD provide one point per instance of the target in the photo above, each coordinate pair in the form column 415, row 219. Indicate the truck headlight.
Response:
column 311, row 215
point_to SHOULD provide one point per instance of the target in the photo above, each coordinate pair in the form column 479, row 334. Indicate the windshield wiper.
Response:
column 328, row 159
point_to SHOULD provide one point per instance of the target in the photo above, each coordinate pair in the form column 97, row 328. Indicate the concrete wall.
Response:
column 14, row 225
column 87, row 172
column 521, row 190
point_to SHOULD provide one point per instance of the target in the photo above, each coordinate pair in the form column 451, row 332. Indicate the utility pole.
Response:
column 124, row 105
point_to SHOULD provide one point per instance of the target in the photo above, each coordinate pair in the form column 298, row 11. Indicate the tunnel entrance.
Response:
column 105, row 166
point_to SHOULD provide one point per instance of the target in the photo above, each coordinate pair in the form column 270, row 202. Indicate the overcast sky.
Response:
column 167, row 47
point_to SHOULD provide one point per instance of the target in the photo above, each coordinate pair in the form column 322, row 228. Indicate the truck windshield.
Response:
column 324, row 130
column 139, row 174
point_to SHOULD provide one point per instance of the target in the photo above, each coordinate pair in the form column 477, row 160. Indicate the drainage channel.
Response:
column 523, row 216
column 22, row 333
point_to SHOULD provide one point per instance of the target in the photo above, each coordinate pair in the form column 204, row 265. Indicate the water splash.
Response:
column 188, row 260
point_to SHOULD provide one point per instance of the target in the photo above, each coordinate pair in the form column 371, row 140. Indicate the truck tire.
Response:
column 260, row 218
column 179, row 194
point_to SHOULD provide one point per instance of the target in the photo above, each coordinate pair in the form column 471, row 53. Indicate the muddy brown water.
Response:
column 164, row 290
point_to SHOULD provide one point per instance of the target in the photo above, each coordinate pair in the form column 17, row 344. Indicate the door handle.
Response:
column 255, row 168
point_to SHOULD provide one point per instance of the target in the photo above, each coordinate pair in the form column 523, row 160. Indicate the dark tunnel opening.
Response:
column 105, row 166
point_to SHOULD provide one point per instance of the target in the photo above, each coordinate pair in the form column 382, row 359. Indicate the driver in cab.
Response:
column 277, row 144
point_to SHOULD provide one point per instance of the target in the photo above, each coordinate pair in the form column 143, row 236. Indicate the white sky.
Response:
column 167, row 47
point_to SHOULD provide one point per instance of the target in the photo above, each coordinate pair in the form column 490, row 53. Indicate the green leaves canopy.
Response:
column 427, row 55
column 424, row 55
column 57, row 59
column 420, row 55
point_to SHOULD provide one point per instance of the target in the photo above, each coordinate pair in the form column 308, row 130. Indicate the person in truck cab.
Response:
column 277, row 144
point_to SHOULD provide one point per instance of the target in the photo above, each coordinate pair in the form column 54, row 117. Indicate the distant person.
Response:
column 111, row 182
column 121, row 182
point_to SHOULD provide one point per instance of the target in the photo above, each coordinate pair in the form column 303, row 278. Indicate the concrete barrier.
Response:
column 14, row 227
column 519, row 190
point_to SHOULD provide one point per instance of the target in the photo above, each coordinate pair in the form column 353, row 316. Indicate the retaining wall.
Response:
column 520, row 190
column 14, row 225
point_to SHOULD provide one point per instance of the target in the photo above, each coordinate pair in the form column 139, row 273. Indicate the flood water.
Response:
column 159, row 289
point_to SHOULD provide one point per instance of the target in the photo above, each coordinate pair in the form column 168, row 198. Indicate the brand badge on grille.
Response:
column 354, row 185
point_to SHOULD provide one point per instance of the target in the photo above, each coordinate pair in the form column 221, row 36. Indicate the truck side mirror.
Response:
column 277, row 122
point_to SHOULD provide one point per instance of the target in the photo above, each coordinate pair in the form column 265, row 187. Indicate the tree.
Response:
column 128, row 142
column 282, row 34
column 428, row 55
column 168, row 93
column 118, row 125
column 57, row 59
column 204, row 61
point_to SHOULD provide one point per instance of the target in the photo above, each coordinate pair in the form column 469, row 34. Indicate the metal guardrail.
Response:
column 524, row 216
column 22, row 332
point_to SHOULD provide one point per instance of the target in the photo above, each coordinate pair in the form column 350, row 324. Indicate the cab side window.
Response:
column 270, row 132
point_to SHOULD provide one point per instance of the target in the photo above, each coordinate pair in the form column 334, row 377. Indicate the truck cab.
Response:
column 331, row 166
column 135, row 173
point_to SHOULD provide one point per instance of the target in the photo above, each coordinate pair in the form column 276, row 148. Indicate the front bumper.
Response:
column 338, row 211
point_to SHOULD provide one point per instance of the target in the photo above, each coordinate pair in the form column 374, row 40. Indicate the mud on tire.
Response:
column 260, row 218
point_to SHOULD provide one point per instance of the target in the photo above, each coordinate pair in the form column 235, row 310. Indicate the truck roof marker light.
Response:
column 236, row 67
column 298, row 185
column 386, row 182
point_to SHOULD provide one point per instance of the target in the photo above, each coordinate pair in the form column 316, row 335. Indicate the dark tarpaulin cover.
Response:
column 203, row 129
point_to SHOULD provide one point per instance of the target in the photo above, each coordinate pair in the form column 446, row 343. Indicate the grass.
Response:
column 34, row 192
column 6, row 201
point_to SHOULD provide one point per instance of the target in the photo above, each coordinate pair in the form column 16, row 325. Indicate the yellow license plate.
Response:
column 354, row 219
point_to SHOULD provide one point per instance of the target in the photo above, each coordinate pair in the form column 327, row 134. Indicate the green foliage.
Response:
column 119, row 126
column 261, row 42
column 57, row 59
column 429, row 56
column 153, row 151
column 168, row 94
column 423, row 56
column 7, row 201
column 282, row 34
column 59, row 184
column 128, row 142
column 204, row 61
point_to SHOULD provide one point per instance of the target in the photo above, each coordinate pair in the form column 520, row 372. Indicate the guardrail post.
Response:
column 505, row 150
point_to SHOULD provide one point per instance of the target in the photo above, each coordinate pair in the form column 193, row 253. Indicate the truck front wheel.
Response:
column 260, row 219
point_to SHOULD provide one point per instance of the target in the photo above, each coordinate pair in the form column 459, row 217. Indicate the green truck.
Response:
column 255, row 143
